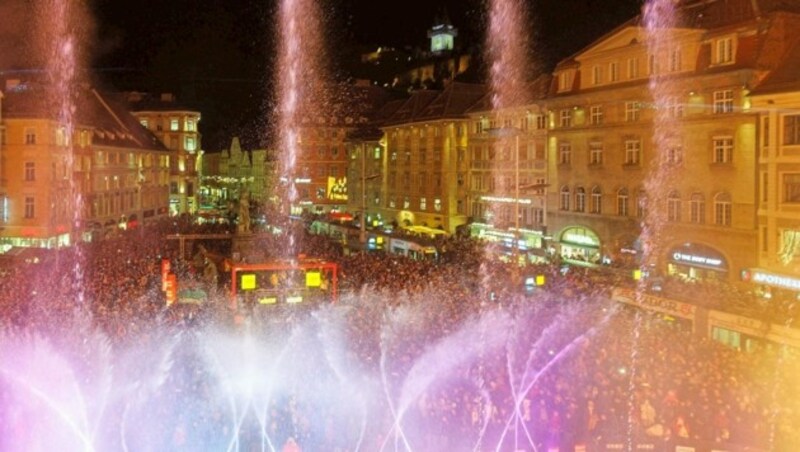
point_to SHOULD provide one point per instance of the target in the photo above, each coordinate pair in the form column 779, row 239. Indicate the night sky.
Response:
column 217, row 55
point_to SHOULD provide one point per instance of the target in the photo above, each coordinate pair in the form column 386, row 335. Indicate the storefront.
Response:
column 696, row 262
column 580, row 246
column 773, row 286
column 530, row 242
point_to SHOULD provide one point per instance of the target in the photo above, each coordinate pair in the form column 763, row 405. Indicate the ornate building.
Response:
column 57, row 189
column 177, row 127
column 604, row 149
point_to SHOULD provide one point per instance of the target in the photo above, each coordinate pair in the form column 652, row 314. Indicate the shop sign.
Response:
column 695, row 259
column 653, row 303
column 579, row 239
column 505, row 200
column 772, row 279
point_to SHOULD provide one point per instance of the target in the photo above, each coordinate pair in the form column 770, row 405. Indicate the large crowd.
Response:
column 573, row 368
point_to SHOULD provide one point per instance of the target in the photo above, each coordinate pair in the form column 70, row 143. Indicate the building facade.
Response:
column 177, row 127
column 693, row 186
column 59, row 188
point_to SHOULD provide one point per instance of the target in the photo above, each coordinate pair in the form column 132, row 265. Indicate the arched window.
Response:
column 622, row 202
column 597, row 199
column 722, row 209
column 697, row 204
column 564, row 202
column 674, row 206
column 580, row 199
column 641, row 204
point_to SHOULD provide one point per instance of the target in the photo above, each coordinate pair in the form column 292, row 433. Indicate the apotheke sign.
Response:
column 772, row 279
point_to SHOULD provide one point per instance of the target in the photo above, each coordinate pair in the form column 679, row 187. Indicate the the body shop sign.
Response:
column 696, row 255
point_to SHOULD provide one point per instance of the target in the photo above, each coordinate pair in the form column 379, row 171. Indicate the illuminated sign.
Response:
column 694, row 259
column 268, row 300
column 653, row 303
column 337, row 189
column 302, row 180
column 505, row 200
column 248, row 281
column 579, row 239
column 294, row 299
column 313, row 279
column 772, row 279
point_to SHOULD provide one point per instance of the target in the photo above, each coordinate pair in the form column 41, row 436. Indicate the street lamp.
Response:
column 362, row 234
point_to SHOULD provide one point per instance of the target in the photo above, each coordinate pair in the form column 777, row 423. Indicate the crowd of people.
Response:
column 565, row 366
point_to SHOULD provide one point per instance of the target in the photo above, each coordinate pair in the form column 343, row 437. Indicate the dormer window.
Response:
column 723, row 50
column 565, row 80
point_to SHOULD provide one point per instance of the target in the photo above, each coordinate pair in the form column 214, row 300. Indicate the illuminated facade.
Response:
column 426, row 168
column 777, row 100
column 236, row 170
column 177, row 128
column 119, row 169
column 507, row 173
column 601, row 147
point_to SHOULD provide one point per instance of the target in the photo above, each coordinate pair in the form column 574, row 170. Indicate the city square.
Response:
column 313, row 225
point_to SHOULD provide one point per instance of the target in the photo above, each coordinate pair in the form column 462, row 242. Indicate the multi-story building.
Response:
column 508, row 172
column 425, row 166
column 777, row 101
column 177, row 127
column 701, row 173
column 236, row 170
column 109, row 173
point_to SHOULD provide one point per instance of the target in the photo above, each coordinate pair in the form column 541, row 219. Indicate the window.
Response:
column 697, row 205
column 580, row 199
column 30, row 171
column 641, row 204
column 596, row 115
column 675, row 107
column 30, row 207
column 633, row 152
column 633, row 68
column 423, row 204
column 652, row 65
column 595, row 153
column 597, row 200
column 566, row 118
column 30, row 136
column 723, row 149
column 622, row 202
column 190, row 144
column 631, row 111
column 376, row 153
column 791, row 130
column 722, row 209
column 335, row 151
column 437, row 205
column 597, row 75
column 189, row 125
column 541, row 122
column 145, row 123
column 564, row 201
column 406, row 203
column 613, row 72
column 565, row 81
column 791, row 188
column 406, row 182
column 674, row 154
column 675, row 60
column 564, row 153
column 723, row 101
column 674, row 207
column 422, row 178
column 174, row 124
column 723, row 51
column 173, row 187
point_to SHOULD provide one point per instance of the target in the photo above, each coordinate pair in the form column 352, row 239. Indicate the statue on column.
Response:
column 244, row 212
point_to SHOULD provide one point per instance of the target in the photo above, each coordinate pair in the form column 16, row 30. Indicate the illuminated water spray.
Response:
column 63, row 34
column 300, row 84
